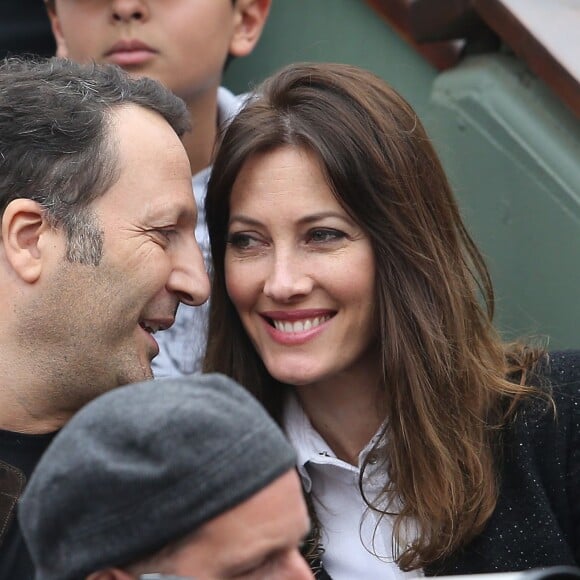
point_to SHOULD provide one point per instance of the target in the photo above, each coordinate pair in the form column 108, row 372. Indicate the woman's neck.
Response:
column 346, row 414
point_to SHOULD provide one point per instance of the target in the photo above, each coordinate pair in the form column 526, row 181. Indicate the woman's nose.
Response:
column 287, row 279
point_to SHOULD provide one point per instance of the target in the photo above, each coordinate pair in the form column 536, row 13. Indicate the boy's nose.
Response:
column 127, row 10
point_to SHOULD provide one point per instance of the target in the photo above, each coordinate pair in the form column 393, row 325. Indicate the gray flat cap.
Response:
column 143, row 465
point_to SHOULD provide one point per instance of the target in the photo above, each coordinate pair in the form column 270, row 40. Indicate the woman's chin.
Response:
column 296, row 379
column 294, row 368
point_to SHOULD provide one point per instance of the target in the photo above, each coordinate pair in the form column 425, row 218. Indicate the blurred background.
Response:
column 24, row 28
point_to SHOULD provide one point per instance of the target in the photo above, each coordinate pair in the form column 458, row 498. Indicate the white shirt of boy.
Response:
column 182, row 347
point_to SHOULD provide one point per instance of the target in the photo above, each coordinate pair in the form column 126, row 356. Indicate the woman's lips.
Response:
column 296, row 327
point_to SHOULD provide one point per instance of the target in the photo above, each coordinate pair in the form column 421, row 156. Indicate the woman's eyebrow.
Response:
column 310, row 218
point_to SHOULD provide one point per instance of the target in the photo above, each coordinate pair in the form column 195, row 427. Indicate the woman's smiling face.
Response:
column 300, row 271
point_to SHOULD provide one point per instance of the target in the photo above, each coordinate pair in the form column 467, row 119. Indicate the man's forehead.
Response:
column 177, row 209
column 153, row 170
column 139, row 133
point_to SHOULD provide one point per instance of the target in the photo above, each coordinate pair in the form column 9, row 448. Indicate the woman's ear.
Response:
column 24, row 229
column 250, row 18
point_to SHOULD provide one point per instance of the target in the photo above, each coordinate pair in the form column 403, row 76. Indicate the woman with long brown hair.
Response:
column 350, row 299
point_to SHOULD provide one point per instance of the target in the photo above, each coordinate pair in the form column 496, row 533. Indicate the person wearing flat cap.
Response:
column 185, row 477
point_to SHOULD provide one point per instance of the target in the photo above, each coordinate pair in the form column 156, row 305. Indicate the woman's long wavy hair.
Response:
column 447, row 378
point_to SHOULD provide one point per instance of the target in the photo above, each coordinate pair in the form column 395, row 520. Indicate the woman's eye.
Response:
column 241, row 241
column 325, row 235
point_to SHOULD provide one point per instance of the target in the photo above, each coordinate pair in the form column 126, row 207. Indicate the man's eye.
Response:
column 325, row 235
column 259, row 570
column 165, row 232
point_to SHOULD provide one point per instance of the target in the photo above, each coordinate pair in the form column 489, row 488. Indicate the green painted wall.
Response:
column 511, row 149
column 334, row 30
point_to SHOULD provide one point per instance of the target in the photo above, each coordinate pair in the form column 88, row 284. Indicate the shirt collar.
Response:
column 229, row 105
column 310, row 446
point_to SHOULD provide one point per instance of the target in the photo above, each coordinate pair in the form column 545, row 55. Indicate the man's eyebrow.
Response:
column 246, row 563
column 157, row 576
column 233, row 568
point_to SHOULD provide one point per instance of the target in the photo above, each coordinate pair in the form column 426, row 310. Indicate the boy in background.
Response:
column 185, row 44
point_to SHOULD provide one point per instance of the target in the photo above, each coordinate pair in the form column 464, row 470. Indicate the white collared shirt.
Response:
column 350, row 534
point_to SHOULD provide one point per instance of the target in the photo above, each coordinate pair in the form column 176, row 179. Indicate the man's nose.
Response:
column 189, row 280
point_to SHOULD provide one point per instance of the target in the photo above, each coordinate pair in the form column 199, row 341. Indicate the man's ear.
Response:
column 61, row 49
column 110, row 574
column 25, row 231
column 250, row 18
